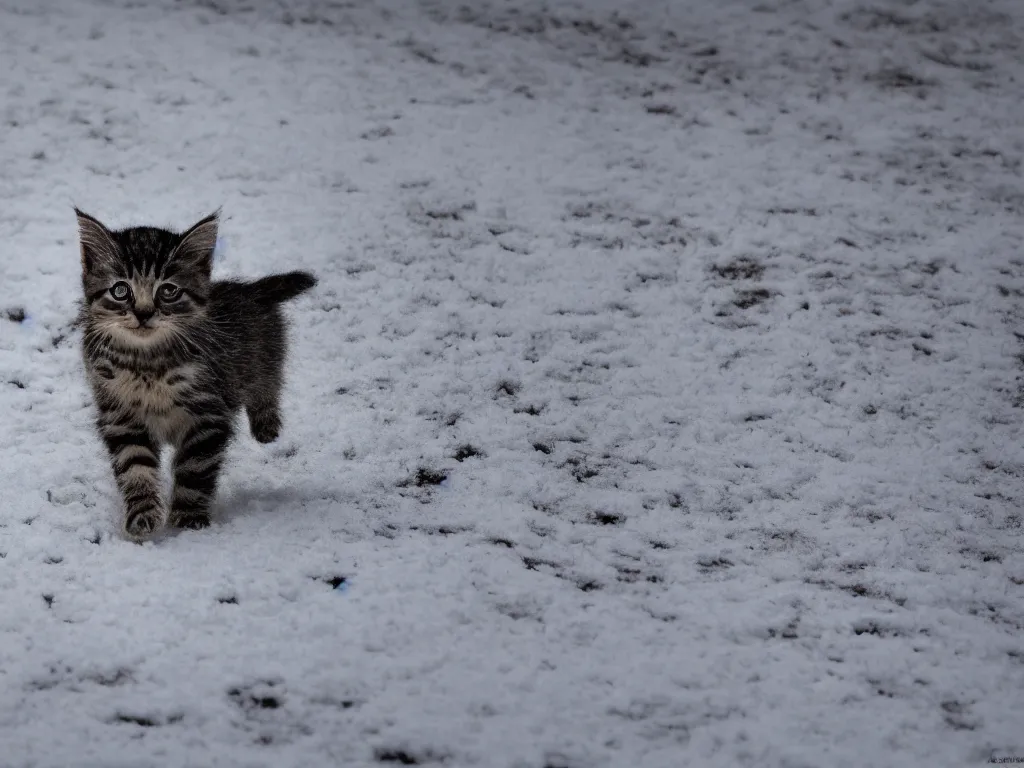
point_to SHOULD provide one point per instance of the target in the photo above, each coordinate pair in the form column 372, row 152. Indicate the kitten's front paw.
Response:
column 140, row 525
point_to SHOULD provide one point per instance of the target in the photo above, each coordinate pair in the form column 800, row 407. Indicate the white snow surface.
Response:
column 709, row 314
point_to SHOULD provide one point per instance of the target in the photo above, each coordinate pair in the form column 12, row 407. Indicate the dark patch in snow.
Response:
column 922, row 349
column 466, row 451
column 380, row 132
column 660, row 109
column 607, row 518
column 538, row 529
column 111, row 679
column 898, row 78
column 424, row 52
column 859, row 589
column 404, row 756
column 145, row 722
column 556, row 760
column 709, row 564
column 957, row 715
column 508, row 387
column 452, row 212
column 523, row 608
column 399, row 756
column 580, row 469
column 334, row 581
column 877, row 629
column 628, row 574
column 530, row 410
column 424, row 477
column 794, row 211
column 15, row 314
column 330, row 701
column 655, row 277
column 984, row 555
column 535, row 563
column 259, row 696
column 741, row 268
column 441, row 530
column 751, row 298
column 787, row 632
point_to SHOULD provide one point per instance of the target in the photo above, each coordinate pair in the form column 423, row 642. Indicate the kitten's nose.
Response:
column 143, row 314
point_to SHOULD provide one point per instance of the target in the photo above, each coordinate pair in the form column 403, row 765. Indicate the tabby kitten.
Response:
column 172, row 356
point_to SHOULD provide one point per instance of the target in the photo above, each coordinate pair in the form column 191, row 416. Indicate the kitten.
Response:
column 171, row 357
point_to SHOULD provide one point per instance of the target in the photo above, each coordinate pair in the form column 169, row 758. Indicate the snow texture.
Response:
column 660, row 403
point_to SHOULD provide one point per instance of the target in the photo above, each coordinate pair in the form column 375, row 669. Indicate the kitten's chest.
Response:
column 153, row 398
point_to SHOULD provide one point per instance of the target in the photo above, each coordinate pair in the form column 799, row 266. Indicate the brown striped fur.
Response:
column 171, row 357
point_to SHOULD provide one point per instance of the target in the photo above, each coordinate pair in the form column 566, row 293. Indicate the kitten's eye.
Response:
column 120, row 291
column 169, row 292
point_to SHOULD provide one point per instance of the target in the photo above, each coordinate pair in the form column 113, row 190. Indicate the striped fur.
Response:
column 171, row 357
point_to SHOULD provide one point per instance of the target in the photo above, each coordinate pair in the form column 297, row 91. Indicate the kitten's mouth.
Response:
column 141, row 335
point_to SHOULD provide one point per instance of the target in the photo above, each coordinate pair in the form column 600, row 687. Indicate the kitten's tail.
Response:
column 274, row 289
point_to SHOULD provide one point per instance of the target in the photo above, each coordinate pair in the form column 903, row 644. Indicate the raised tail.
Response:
column 274, row 289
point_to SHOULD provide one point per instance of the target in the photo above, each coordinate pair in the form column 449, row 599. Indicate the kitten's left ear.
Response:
column 97, row 244
column 196, row 246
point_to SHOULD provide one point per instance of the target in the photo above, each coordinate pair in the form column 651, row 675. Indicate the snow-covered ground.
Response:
column 660, row 403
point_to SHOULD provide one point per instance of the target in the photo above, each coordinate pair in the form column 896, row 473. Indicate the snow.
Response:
column 659, row 404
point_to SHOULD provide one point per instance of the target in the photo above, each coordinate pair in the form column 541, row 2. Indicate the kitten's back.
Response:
column 250, row 332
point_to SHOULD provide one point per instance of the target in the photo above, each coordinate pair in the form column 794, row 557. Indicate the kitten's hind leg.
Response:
column 263, row 391
column 264, row 421
column 136, row 460
column 197, row 464
column 263, row 403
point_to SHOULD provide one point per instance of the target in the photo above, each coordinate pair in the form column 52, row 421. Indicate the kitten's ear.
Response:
column 196, row 246
column 97, row 244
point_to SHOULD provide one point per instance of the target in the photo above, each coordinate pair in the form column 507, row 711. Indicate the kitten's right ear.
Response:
column 97, row 243
column 197, row 244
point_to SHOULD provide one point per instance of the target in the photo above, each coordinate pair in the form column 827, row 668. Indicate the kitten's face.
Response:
column 144, row 285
